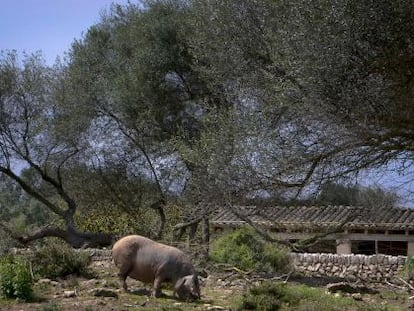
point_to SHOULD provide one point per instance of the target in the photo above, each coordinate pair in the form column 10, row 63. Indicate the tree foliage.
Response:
column 30, row 116
column 211, row 102
column 343, row 68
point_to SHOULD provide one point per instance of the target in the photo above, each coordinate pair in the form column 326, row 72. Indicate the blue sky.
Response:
column 47, row 25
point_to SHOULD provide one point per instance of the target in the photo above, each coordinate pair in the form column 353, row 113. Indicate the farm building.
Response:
column 357, row 230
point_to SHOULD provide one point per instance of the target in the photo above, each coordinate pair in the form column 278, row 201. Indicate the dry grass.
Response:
column 50, row 296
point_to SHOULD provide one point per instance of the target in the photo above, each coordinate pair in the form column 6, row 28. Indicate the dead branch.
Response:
column 411, row 288
column 395, row 286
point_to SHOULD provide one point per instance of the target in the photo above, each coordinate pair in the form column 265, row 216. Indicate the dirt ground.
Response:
column 81, row 294
column 219, row 292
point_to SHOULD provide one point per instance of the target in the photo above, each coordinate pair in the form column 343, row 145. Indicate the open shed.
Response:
column 384, row 230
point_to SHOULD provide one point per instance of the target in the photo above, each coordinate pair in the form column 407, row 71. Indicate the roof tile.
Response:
column 303, row 216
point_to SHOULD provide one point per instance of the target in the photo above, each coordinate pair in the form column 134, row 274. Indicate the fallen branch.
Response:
column 395, row 286
column 287, row 276
column 240, row 271
column 407, row 284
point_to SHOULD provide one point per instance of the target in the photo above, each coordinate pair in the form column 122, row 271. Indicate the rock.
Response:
column 210, row 307
column 357, row 296
column 69, row 294
column 48, row 282
column 44, row 281
column 91, row 282
column 215, row 308
column 348, row 288
column 103, row 292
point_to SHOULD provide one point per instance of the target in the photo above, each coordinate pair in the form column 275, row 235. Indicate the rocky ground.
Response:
column 220, row 289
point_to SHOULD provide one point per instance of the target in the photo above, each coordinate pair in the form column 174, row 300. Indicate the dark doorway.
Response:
column 363, row 247
column 394, row 248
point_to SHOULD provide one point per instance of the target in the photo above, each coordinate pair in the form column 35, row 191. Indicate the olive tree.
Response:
column 343, row 69
column 134, row 69
column 30, row 113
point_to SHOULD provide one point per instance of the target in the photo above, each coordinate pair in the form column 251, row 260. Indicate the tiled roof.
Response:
column 313, row 217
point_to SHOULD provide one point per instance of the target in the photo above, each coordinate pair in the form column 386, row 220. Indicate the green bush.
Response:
column 268, row 296
column 246, row 250
column 57, row 259
column 275, row 258
column 281, row 296
column 15, row 278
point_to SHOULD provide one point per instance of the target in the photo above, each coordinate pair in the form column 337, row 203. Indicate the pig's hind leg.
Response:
column 160, row 276
column 123, row 274
column 156, row 292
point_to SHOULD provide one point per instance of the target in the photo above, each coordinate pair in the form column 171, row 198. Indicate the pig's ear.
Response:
column 196, row 286
column 181, row 289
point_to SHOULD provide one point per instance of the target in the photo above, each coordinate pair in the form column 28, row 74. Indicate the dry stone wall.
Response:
column 375, row 268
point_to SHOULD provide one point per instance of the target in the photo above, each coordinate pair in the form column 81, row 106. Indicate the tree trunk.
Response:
column 159, row 207
column 71, row 236
column 180, row 229
column 192, row 233
column 206, row 231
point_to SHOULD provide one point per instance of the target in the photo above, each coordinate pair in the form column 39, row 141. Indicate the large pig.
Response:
column 152, row 262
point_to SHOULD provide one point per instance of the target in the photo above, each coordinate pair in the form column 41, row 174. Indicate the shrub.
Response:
column 15, row 278
column 275, row 258
column 275, row 296
column 268, row 296
column 408, row 272
column 246, row 250
column 57, row 259
column 6, row 243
